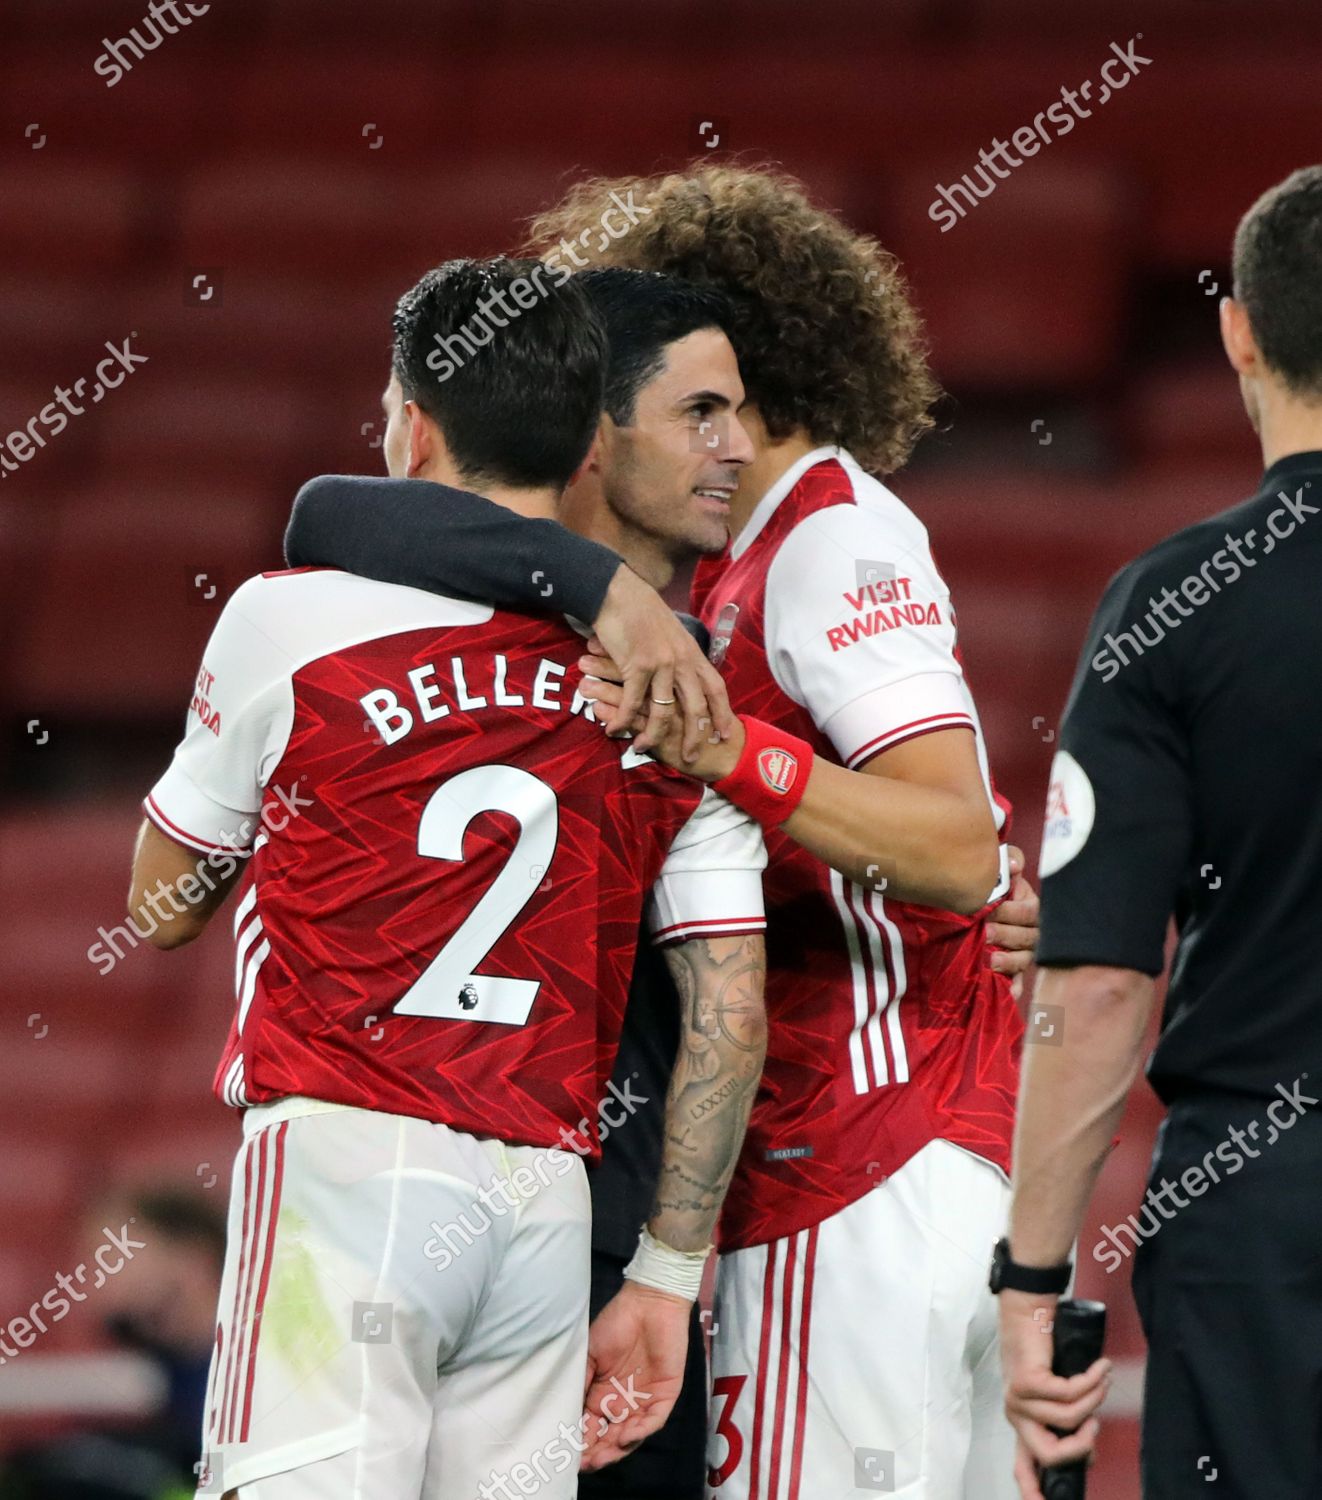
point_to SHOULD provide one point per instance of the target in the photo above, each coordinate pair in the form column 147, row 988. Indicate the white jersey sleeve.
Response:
column 859, row 630
column 238, row 726
column 711, row 883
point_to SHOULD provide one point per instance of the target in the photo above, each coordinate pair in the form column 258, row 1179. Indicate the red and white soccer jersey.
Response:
column 887, row 1027
column 449, row 860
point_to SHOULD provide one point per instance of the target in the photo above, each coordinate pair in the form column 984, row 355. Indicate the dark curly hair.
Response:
column 826, row 336
column 1278, row 278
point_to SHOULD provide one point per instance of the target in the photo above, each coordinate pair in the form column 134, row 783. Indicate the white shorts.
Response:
column 861, row 1354
column 385, row 1332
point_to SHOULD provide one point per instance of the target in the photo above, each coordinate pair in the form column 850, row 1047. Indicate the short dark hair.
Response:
column 643, row 312
column 1278, row 278
column 520, row 404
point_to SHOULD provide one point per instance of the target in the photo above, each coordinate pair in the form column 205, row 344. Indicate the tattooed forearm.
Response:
column 712, row 1100
column 722, row 1045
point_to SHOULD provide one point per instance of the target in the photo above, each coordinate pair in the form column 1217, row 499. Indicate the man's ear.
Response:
column 603, row 438
column 422, row 438
column 1237, row 339
column 596, row 458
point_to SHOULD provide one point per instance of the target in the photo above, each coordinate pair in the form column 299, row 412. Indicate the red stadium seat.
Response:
column 153, row 114
column 761, row 111
column 445, row 28
column 31, row 20
column 1191, row 413
column 255, row 328
column 67, row 218
column 1027, row 290
column 84, row 1078
column 846, row 25
column 1167, row 496
column 322, row 355
column 195, row 1148
column 112, row 1070
column 35, row 1174
column 1070, row 534
column 1162, row 21
column 69, row 998
column 374, row 110
column 353, row 223
column 43, row 1186
column 1022, row 622
column 1194, row 211
column 44, row 324
column 158, row 429
column 188, row 1059
column 149, row 569
column 24, row 535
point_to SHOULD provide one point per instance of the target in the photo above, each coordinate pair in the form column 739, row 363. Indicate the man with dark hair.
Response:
column 433, row 951
column 665, row 672
column 1187, row 784
column 642, row 313
column 1278, row 249
column 665, row 470
column 649, row 491
column 878, row 1150
column 556, row 386
column 656, row 489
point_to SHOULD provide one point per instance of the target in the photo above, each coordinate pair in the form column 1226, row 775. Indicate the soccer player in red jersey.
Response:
column 654, row 490
column 448, row 862
column 856, row 1337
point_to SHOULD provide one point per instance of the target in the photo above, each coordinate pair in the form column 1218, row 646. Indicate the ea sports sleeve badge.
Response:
column 1071, row 809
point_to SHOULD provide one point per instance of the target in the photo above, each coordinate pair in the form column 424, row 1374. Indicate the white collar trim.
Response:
column 766, row 506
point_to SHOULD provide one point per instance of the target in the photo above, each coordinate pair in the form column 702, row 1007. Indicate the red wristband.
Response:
column 772, row 774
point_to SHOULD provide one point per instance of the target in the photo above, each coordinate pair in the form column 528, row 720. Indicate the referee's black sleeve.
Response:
column 1118, row 834
column 448, row 541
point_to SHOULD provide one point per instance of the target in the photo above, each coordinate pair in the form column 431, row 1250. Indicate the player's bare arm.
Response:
column 1011, row 937
column 915, row 817
column 1084, row 1083
column 723, row 1039
column 175, row 890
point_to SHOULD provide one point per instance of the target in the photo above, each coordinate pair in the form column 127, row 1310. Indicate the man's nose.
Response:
column 738, row 445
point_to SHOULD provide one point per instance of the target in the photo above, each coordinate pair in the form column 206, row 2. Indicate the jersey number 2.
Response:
column 449, row 987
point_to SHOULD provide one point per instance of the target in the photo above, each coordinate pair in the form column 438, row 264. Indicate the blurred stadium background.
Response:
column 248, row 199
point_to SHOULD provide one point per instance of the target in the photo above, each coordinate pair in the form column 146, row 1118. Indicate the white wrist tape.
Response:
column 678, row 1272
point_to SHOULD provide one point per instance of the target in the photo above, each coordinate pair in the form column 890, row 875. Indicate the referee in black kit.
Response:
column 1189, row 782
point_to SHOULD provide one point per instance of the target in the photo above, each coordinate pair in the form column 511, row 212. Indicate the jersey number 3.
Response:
column 449, row 987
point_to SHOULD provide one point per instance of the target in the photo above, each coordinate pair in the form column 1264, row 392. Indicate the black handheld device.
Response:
column 1077, row 1337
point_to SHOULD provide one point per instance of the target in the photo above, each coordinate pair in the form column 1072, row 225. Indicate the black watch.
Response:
column 1008, row 1276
